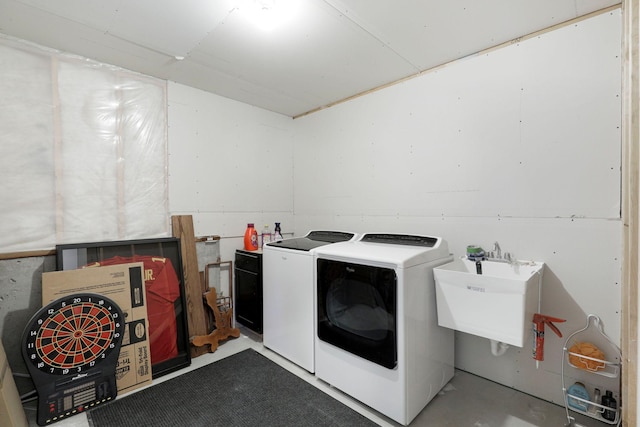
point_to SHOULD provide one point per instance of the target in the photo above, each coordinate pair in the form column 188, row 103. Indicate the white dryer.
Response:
column 288, row 277
column 378, row 338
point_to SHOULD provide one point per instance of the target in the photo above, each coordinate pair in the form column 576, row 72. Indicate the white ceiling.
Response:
column 327, row 50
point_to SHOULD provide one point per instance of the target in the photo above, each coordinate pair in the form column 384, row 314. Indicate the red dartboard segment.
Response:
column 57, row 361
column 95, row 349
column 87, row 321
column 46, row 333
column 96, row 314
column 76, row 316
column 58, row 319
column 48, row 349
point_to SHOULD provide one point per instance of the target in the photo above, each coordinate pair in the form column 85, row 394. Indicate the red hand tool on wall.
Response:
column 539, row 320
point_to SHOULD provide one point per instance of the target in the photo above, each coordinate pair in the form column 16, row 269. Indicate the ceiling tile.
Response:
column 327, row 51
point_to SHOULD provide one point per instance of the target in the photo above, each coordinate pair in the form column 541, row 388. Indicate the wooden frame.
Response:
column 73, row 256
column 630, row 209
column 224, row 302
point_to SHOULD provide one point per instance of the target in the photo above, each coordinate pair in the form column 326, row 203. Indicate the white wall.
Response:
column 520, row 145
column 229, row 164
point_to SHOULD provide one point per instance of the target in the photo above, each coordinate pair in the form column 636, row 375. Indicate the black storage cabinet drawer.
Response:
column 248, row 289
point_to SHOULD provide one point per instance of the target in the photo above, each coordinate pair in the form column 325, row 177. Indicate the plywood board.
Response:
column 182, row 226
column 11, row 411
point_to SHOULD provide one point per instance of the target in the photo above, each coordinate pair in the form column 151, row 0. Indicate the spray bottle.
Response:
column 277, row 234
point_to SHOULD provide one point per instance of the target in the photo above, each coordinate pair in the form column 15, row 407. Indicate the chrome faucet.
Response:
column 497, row 250
column 496, row 255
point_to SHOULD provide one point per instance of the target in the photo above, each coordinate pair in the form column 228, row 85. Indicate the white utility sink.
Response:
column 498, row 304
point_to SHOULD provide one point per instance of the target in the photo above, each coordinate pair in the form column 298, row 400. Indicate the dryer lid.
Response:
column 401, row 250
column 400, row 239
column 312, row 240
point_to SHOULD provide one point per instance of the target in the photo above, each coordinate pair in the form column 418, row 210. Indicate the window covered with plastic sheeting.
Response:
column 83, row 151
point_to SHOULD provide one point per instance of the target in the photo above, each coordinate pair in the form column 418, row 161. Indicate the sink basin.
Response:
column 498, row 304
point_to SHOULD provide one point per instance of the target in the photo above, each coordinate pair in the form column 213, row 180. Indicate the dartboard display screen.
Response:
column 73, row 334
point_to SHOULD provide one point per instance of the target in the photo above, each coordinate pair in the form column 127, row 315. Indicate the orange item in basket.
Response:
column 586, row 349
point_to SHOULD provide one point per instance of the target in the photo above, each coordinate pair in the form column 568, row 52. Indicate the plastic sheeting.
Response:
column 83, row 151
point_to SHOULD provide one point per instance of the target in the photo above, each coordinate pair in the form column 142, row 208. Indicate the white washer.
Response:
column 288, row 277
column 378, row 338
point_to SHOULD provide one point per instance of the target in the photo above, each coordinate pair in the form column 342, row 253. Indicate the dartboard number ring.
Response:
column 73, row 333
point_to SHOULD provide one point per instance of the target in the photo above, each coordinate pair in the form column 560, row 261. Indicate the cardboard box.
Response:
column 121, row 284
column 11, row 411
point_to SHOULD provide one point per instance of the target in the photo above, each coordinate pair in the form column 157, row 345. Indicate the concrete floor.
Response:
column 467, row 400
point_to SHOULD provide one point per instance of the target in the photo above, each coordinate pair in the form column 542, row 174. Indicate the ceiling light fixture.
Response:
column 267, row 15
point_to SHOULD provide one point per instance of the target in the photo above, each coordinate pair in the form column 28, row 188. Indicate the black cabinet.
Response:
column 248, row 289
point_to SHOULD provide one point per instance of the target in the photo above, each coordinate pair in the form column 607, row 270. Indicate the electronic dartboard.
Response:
column 71, row 348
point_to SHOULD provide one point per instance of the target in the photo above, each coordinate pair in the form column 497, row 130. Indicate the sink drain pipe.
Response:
column 498, row 348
